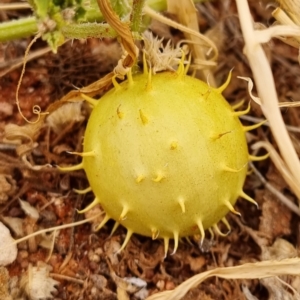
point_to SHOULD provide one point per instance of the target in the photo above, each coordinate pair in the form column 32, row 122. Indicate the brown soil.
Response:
column 86, row 257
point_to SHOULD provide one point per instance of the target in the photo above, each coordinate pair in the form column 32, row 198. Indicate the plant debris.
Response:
column 8, row 250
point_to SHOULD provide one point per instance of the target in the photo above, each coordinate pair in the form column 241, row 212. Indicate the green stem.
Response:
column 27, row 27
column 93, row 15
column 86, row 30
column 136, row 15
column 18, row 29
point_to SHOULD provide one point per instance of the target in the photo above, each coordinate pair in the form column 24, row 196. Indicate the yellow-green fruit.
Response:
column 166, row 156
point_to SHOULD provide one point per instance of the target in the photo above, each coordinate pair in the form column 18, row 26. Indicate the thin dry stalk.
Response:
column 287, row 202
column 280, row 165
column 14, row 6
column 55, row 228
column 187, row 15
column 12, row 65
column 259, row 120
column 283, row 18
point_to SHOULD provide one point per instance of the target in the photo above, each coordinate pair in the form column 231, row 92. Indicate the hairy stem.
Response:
column 136, row 15
column 87, row 30
column 16, row 29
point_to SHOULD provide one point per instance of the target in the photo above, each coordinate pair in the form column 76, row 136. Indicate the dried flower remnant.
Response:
column 158, row 56
column 8, row 251
column 37, row 283
column 70, row 112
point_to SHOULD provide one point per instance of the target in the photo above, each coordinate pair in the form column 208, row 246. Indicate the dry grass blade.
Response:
column 75, row 95
column 282, row 17
column 292, row 8
column 259, row 270
column 90, row 90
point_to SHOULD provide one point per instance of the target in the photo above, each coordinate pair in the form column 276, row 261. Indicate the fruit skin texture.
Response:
column 169, row 155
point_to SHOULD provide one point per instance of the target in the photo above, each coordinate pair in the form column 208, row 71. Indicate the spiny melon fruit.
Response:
column 165, row 155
